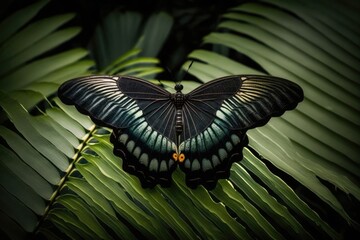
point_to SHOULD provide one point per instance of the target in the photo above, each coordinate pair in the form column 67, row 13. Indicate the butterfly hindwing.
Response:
column 146, row 154
column 209, row 155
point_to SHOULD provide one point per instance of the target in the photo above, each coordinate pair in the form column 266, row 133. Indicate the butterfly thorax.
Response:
column 178, row 98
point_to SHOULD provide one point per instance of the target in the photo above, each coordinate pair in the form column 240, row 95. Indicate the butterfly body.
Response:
column 178, row 99
column 203, row 131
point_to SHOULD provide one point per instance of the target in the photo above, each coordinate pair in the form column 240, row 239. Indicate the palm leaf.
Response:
column 49, row 140
column 31, row 158
column 266, row 34
column 24, row 73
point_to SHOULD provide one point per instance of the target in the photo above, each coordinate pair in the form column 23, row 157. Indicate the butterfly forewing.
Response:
column 242, row 102
column 202, row 104
column 101, row 99
column 154, row 102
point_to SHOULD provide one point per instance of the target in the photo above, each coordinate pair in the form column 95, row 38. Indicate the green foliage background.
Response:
column 59, row 178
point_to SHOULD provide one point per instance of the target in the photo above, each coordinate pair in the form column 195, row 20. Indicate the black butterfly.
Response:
column 203, row 131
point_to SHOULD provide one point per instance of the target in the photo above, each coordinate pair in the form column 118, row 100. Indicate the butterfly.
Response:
column 203, row 132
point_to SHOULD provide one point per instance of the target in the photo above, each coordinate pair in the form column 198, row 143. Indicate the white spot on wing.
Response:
column 130, row 146
column 144, row 159
column 154, row 165
column 229, row 146
column 215, row 160
column 123, row 138
column 137, row 152
column 235, row 139
column 222, row 154
column 187, row 163
column 195, row 165
column 163, row 167
column 206, row 165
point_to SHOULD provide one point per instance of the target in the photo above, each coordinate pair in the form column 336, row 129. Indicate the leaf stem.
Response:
column 63, row 179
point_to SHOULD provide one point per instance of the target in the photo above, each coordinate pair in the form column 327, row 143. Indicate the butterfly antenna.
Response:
column 171, row 75
column 187, row 71
column 168, row 71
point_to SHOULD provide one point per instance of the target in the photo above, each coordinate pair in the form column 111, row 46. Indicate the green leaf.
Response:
column 69, row 224
column 322, row 42
column 10, row 228
column 133, row 62
column 18, row 212
column 62, row 74
column 76, row 205
column 45, row 44
column 260, row 197
column 44, row 88
column 30, row 156
column 123, row 57
column 48, row 128
column 67, row 122
column 245, row 211
column 109, row 43
column 280, row 158
column 215, row 212
column 226, row 64
column 261, row 51
column 74, row 114
column 293, row 50
column 116, row 195
column 40, row 68
column 99, row 206
column 334, row 173
column 156, row 30
column 18, row 19
column 25, row 173
column 31, row 34
column 27, row 98
column 23, row 122
column 21, row 190
column 284, row 191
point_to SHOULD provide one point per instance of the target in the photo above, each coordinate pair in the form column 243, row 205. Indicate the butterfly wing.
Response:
column 141, row 115
column 217, row 116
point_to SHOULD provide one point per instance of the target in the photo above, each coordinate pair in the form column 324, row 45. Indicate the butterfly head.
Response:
column 178, row 87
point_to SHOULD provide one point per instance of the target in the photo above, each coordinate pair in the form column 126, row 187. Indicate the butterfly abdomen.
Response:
column 179, row 122
column 179, row 100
